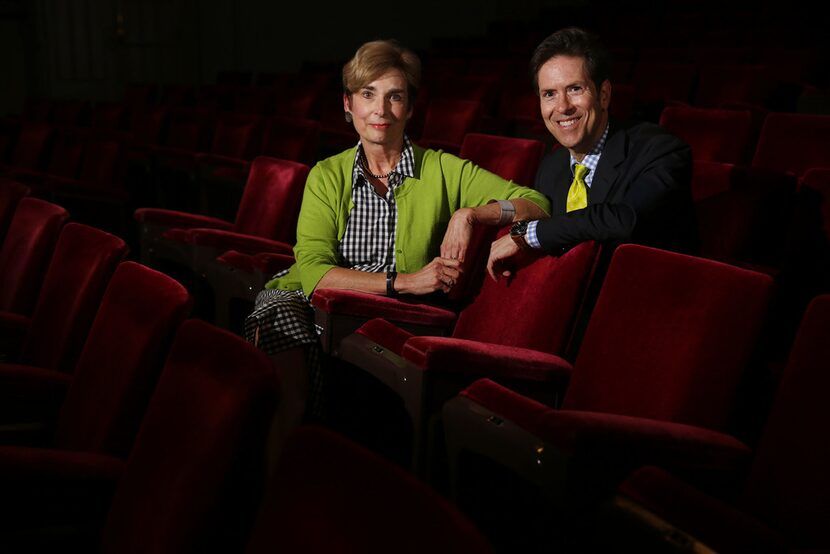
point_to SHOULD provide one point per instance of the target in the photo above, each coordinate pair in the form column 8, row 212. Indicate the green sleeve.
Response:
column 317, row 245
column 479, row 186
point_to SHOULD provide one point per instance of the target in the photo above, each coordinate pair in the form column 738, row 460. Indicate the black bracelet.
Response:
column 390, row 283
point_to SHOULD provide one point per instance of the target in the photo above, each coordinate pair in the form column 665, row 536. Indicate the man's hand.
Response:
column 459, row 233
column 502, row 249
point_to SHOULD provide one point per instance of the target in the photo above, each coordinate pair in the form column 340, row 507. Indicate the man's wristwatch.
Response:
column 518, row 232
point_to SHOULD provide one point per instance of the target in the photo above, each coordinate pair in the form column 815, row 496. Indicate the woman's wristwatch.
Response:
column 390, row 283
column 518, row 232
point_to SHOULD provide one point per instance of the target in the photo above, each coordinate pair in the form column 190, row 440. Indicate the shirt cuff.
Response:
column 530, row 235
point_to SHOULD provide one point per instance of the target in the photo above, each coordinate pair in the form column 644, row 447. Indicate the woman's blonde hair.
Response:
column 375, row 58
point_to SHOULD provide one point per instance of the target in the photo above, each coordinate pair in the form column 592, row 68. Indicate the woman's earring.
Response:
column 348, row 116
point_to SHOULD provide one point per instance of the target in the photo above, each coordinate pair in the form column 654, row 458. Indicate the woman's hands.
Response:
column 458, row 235
column 439, row 274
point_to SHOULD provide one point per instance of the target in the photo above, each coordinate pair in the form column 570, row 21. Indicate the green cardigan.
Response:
column 442, row 184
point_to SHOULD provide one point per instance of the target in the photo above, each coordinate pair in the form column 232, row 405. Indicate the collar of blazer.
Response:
column 613, row 155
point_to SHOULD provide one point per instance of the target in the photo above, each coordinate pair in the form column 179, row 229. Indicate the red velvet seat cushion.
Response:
column 367, row 305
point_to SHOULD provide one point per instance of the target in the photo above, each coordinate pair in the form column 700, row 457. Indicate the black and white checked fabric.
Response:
column 284, row 319
column 281, row 319
column 369, row 241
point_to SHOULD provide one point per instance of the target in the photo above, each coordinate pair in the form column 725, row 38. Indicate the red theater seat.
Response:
column 195, row 475
column 26, row 251
column 81, row 267
column 655, row 380
column 330, row 495
column 785, row 500
column 511, row 158
column 11, row 192
column 714, row 135
column 117, row 368
column 514, row 330
column 265, row 221
column 446, row 123
column 793, row 142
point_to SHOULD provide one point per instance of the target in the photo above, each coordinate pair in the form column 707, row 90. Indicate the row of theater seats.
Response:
column 235, row 258
column 765, row 214
column 477, row 316
column 661, row 375
column 125, row 425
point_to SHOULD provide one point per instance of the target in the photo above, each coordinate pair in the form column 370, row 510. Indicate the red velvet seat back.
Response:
column 663, row 81
column 31, row 144
column 292, row 139
column 789, row 485
column 722, row 84
column 193, row 479
column 511, row 158
column 668, row 338
column 234, row 136
column 25, row 254
column 108, row 115
column 146, row 124
column 330, row 495
column 121, row 360
column 70, row 113
column 449, row 120
column 65, row 158
column 11, row 192
column 714, row 135
column 102, row 162
column 793, row 142
column 535, row 308
column 81, row 267
column 271, row 200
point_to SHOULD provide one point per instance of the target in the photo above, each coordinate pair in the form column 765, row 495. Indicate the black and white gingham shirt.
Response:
column 369, row 241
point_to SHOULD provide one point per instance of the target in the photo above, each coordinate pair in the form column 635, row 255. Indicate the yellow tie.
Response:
column 578, row 193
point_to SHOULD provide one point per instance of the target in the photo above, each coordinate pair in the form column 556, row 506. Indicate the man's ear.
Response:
column 605, row 94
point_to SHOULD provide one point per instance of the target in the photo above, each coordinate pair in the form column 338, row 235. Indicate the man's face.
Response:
column 574, row 111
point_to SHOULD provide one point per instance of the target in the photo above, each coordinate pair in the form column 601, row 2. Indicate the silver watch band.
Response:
column 508, row 212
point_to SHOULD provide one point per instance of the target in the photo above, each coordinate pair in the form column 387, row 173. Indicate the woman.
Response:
column 384, row 217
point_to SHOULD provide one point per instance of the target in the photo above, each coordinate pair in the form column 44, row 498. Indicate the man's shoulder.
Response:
column 644, row 132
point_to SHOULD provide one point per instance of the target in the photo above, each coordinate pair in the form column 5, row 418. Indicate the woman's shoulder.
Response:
column 337, row 161
column 428, row 159
column 332, row 170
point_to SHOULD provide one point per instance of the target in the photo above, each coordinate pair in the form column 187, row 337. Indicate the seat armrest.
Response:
column 451, row 355
column 656, row 499
column 173, row 218
column 222, row 239
column 30, row 400
column 43, row 487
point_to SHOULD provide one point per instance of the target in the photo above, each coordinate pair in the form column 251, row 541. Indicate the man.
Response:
column 609, row 182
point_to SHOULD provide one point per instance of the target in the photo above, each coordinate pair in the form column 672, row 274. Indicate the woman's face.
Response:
column 380, row 109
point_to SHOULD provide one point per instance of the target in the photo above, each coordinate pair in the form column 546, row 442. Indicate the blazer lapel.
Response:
column 608, row 169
